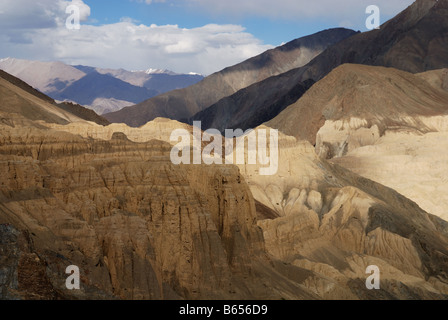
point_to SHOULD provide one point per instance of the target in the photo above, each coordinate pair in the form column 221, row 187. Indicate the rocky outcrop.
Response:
column 159, row 129
column 336, row 224
column 409, row 162
column 137, row 226
column 382, row 123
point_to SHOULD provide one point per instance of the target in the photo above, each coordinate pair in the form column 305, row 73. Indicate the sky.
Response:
column 201, row 36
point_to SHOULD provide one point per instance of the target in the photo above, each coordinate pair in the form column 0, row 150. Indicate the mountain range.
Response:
column 414, row 41
column 362, row 127
column 102, row 90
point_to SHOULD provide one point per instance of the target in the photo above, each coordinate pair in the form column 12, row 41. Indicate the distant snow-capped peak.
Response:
column 194, row 74
column 157, row 71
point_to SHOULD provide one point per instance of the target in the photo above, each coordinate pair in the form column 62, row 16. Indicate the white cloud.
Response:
column 27, row 15
column 23, row 14
column 136, row 47
column 36, row 30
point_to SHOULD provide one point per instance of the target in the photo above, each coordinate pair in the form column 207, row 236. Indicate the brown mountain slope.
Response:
column 382, row 97
column 83, row 113
column 15, row 100
column 182, row 104
column 19, row 97
column 416, row 40
column 25, row 86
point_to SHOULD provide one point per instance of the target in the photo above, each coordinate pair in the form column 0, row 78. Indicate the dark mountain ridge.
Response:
column 184, row 103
